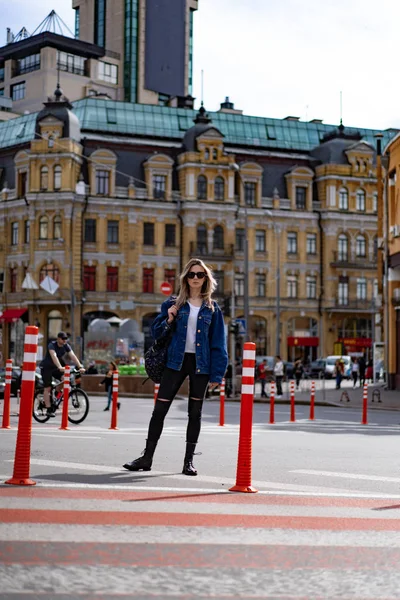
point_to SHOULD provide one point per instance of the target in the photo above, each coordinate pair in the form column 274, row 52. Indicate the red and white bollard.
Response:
column 243, row 472
column 156, row 388
column 22, row 458
column 292, row 402
column 365, row 405
column 114, row 410
column 7, row 396
column 222, row 403
column 272, row 403
column 312, row 401
column 66, row 389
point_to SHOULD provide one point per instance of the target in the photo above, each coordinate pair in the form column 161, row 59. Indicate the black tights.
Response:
column 160, row 411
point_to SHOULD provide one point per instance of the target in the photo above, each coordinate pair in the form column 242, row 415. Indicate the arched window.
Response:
column 218, row 238
column 206, row 154
column 201, row 239
column 43, row 228
column 343, row 199
column 50, row 270
column 51, row 141
column 57, row 223
column 44, row 178
column 342, row 247
column 361, row 247
column 54, row 324
column 360, row 200
column 219, row 188
column 202, row 187
column 215, row 154
column 57, row 177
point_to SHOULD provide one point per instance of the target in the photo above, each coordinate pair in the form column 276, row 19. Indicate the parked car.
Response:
column 317, row 368
column 331, row 362
column 15, row 380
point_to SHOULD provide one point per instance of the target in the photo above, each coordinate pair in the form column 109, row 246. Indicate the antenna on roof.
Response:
column 202, row 87
column 341, row 107
column 54, row 24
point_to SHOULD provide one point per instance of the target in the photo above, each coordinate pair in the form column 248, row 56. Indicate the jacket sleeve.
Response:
column 219, row 354
column 160, row 325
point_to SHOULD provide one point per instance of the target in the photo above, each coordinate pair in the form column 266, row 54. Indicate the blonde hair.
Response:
column 207, row 288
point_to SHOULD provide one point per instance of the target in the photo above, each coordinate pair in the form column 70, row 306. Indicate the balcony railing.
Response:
column 352, row 305
column 342, row 259
column 203, row 251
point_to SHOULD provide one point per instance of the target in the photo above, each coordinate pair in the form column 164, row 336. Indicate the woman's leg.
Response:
column 109, row 392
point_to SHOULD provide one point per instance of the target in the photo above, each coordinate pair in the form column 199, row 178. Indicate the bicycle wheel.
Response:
column 39, row 408
column 78, row 406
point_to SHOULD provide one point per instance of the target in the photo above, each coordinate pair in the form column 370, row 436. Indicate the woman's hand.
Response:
column 212, row 386
column 172, row 312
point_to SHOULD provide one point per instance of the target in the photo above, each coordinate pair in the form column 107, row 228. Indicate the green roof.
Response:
column 123, row 118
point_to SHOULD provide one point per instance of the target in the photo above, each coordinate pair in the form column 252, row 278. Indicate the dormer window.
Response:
column 102, row 182
column 215, row 154
column 51, row 142
column 159, row 186
column 206, row 154
column 250, row 189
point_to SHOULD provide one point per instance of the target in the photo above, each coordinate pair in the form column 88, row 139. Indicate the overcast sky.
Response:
column 275, row 58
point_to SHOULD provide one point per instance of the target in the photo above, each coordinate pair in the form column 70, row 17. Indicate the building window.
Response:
column 292, row 286
column 27, row 232
column 375, row 202
column 311, row 287
column 301, row 193
column 361, row 288
column 292, row 242
column 57, row 177
column 57, row 226
column 170, row 277
column 361, row 246
column 108, row 72
column 260, row 240
column 100, row 22
column 218, row 238
column 360, row 200
column 71, row 63
column 201, row 239
column 27, row 64
column 14, row 233
column 112, row 279
column 1, row 90
column 375, row 248
column 261, row 285
column 170, row 235
column 102, row 182
column 44, row 179
column 250, row 189
column 89, row 278
column 239, row 284
column 148, row 234
column 219, row 188
column 159, row 186
column 43, row 228
column 343, row 199
column 22, row 181
column 90, row 231
column 311, row 243
column 343, row 293
column 148, row 281
column 1, row 282
column 239, row 240
column 219, row 278
column 18, row 91
column 342, row 247
column 77, row 23
column 50, row 270
column 2, row 75
column 112, row 232
column 13, row 279
column 202, row 187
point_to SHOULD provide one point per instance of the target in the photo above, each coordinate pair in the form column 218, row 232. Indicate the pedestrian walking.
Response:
column 355, row 369
column 369, row 373
column 298, row 372
column 278, row 373
column 197, row 350
column 108, row 382
column 262, row 376
column 362, row 367
column 338, row 372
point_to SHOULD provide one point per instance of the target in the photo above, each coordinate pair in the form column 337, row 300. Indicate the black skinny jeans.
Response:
column 169, row 387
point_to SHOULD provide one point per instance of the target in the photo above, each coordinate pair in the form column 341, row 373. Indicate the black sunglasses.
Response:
column 193, row 274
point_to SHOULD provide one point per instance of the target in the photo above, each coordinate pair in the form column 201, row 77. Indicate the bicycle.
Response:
column 78, row 400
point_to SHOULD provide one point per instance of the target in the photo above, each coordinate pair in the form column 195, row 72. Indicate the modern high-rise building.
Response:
column 152, row 39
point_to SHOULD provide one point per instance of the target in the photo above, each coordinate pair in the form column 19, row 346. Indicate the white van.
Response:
column 331, row 362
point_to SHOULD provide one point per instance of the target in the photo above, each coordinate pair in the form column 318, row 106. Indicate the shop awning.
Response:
column 303, row 341
column 12, row 314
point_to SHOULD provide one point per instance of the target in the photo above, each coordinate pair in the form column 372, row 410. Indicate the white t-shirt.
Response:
column 191, row 329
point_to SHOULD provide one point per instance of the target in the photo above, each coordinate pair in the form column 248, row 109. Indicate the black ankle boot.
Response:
column 188, row 468
column 144, row 462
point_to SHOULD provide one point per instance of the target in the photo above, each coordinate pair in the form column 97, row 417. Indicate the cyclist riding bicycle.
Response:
column 53, row 366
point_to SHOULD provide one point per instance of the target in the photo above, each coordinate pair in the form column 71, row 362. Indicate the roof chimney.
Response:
column 229, row 107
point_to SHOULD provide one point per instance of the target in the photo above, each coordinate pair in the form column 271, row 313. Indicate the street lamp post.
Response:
column 235, row 167
column 278, row 284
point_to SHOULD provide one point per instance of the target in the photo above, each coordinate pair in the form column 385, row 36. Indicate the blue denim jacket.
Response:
column 211, row 353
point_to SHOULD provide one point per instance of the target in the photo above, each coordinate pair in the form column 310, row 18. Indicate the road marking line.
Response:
column 347, row 475
column 68, row 437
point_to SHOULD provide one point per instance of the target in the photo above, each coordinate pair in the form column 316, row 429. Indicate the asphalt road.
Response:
column 323, row 525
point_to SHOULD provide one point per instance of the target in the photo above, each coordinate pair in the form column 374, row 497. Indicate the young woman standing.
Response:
column 197, row 350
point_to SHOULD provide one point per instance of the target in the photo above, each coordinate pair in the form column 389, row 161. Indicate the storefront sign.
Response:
column 303, row 341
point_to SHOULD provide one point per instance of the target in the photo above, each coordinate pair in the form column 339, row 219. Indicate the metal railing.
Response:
column 204, row 251
column 344, row 259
